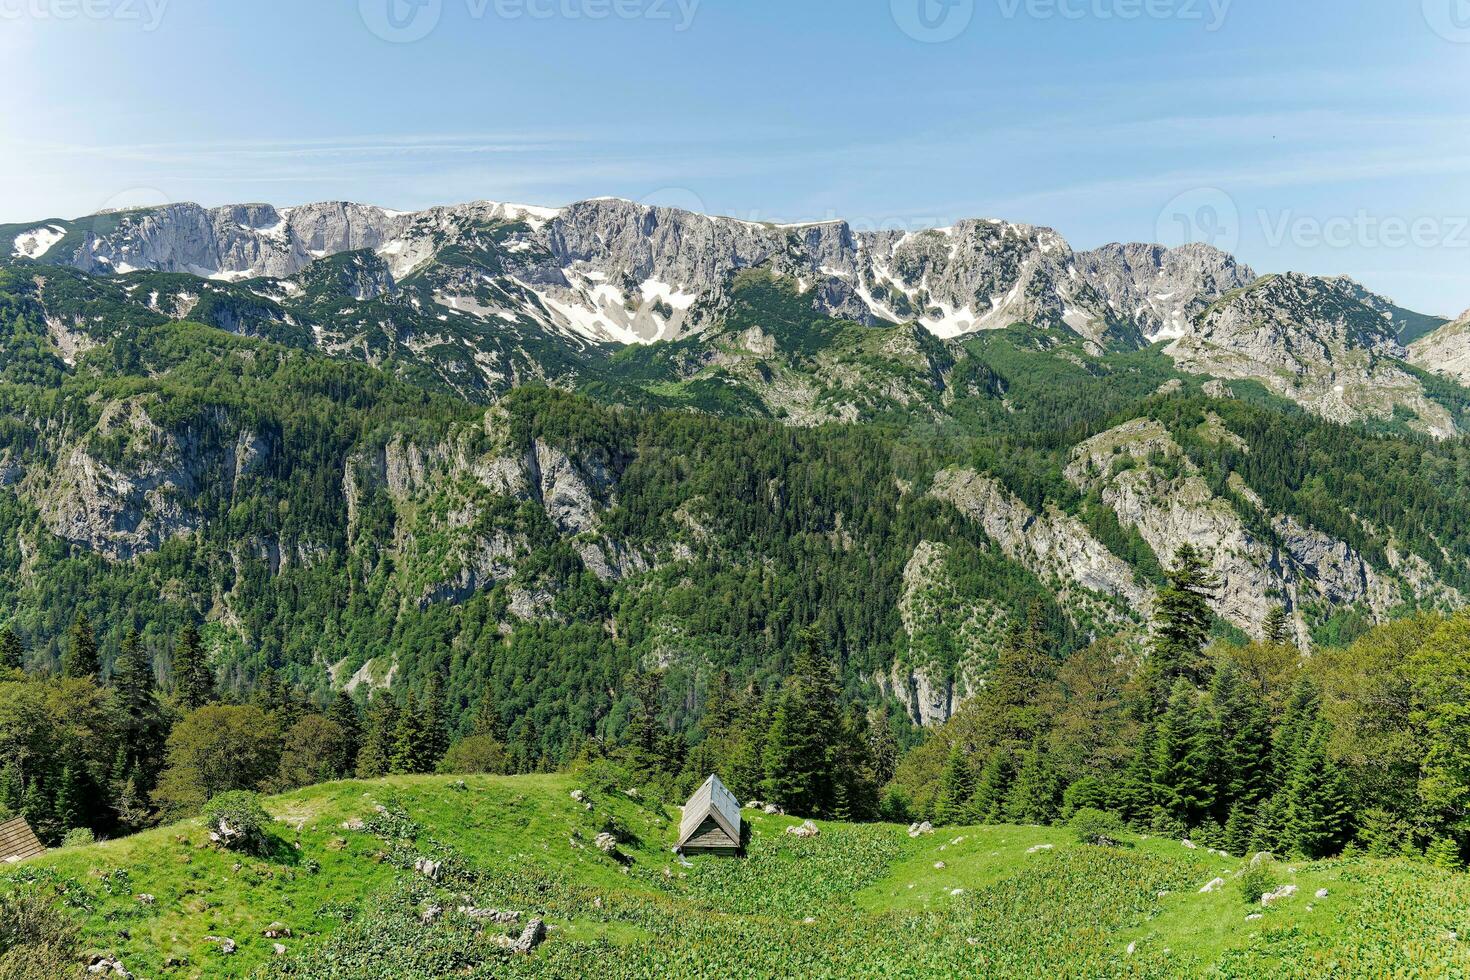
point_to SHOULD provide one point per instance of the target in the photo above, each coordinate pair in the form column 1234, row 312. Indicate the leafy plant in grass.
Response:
column 237, row 822
column 1255, row 881
column 1097, row 827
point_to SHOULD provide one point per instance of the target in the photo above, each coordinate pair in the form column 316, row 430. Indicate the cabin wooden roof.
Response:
column 711, row 801
column 17, row 842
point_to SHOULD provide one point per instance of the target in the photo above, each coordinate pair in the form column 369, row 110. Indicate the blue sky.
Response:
column 1327, row 137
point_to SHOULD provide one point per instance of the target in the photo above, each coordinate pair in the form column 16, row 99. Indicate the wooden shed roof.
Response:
column 17, row 842
column 711, row 801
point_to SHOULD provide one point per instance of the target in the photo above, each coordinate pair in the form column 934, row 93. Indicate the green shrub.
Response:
column 238, row 822
column 1255, row 881
column 1097, row 827
column 37, row 940
column 78, row 837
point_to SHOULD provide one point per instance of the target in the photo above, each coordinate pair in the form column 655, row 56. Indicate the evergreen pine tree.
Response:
column 436, row 729
column 1319, row 812
column 1270, row 832
column 344, row 712
column 1181, row 760
column 1241, row 734
column 1297, row 724
column 957, row 789
column 1036, row 796
column 801, row 751
column 81, row 658
column 1182, row 621
column 70, row 807
column 37, row 809
column 1277, row 627
column 134, row 685
column 1445, row 852
column 408, row 739
column 12, row 788
column 1238, row 829
column 375, row 756
column 994, row 787
column 647, row 738
column 130, row 804
column 193, row 677
column 1134, row 795
column 12, row 653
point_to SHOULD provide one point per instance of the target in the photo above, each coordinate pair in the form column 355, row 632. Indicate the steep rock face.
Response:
column 1141, row 472
column 1054, row 546
column 1315, row 341
column 130, row 485
column 1446, row 351
column 951, row 640
column 1162, row 289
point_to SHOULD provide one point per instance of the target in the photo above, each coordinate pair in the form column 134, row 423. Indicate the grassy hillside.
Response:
column 856, row 900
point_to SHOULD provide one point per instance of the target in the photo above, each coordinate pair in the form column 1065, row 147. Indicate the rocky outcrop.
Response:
column 1146, row 478
column 1054, row 546
column 1326, row 344
column 1161, row 289
column 1446, row 351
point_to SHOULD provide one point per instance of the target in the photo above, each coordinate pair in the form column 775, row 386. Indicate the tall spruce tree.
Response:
column 81, row 658
column 375, row 757
column 436, row 728
column 1277, row 628
column 407, row 753
column 1319, row 810
column 193, row 677
column 1298, row 721
column 957, row 789
column 134, row 687
column 994, row 787
column 1241, row 734
column 1182, row 622
column 1036, row 796
column 801, row 750
column 345, row 713
column 1181, row 767
column 12, row 653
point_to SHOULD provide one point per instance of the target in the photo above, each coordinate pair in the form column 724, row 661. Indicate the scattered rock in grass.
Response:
column 277, row 930
column 597, row 902
column 958, row 841
column 226, row 945
column 632, row 794
column 1188, row 843
column 1253, row 917
column 755, row 805
column 1162, row 894
column 102, row 965
column 490, row 915
column 1213, row 886
column 774, row 810
column 1285, row 891
column 1132, row 948
column 807, row 829
column 279, row 949
column 809, row 921
column 337, row 844
column 431, row 914
column 920, row 829
column 146, row 899
column 956, row 892
column 939, row 865
column 429, row 869
column 354, row 824
column 1321, row 893
column 1260, row 857
column 578, row 796
column 532, row 936
column 1039, row 847
column 606, row 843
